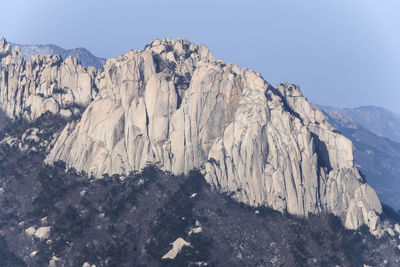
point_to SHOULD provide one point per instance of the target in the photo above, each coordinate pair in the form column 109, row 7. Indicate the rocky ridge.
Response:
column 44, row 83
column 173, row 105
column 377, row 120
column 83, row 55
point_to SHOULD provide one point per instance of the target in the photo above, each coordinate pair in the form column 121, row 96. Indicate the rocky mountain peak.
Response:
column 175, row 50
column 173, row 105
column 43, row 83
column 5, row 48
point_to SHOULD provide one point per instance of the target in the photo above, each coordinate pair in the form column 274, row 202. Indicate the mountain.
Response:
column 53, row 216
column 377, row 157
column 173, row 105
column 377, row 120
column 83, row 55
column 168, row 146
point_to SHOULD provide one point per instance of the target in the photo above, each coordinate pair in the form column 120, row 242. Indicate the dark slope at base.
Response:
column 110, row 222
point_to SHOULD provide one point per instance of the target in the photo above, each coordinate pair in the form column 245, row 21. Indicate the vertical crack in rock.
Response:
column 174, row 105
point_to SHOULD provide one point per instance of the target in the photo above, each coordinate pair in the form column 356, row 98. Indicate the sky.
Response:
column 341, row 53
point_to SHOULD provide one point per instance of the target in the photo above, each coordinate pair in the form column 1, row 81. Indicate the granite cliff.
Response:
column 173, row 105
column 44, row 83
column 376, row 154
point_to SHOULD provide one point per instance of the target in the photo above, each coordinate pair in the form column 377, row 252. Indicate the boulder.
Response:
column 30, row 231
column 43, row 232
column 44, row 83
column 177, row 246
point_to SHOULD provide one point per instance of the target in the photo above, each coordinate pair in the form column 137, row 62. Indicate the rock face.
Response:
column 175, row 106
column 44, row 83
column 377, row 157
column 43, row 232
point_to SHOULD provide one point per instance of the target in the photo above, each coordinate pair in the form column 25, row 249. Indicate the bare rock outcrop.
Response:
column 175, row 106
column 44, row 83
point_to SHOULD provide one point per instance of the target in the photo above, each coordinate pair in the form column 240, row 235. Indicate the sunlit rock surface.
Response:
column 43, row 83
column 173, row 105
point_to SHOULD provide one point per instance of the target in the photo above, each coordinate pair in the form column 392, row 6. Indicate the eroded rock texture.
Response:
column 44, row 83
column 175, row 106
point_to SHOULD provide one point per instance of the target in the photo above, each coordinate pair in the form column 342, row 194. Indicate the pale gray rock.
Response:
column 30, row 140
column 30, row 231
column 66, row 113
column 5, row 49
column 173, row 105
column 177, row 246
column 43, row 232
column 390, row 231
column 55, row 261
column 397, row 228
column 44, row 83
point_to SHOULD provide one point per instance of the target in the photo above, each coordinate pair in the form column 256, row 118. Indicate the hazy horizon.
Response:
column 341, row 54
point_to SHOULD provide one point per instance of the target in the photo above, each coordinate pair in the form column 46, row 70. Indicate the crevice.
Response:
column 285, row 103
column 322, row 152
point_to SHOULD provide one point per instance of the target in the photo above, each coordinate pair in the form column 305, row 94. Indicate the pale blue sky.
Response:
column 342, row 53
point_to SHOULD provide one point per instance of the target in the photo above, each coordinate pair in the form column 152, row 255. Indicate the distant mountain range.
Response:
column 375, row 133
column 377, row 120
column 82, row 54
